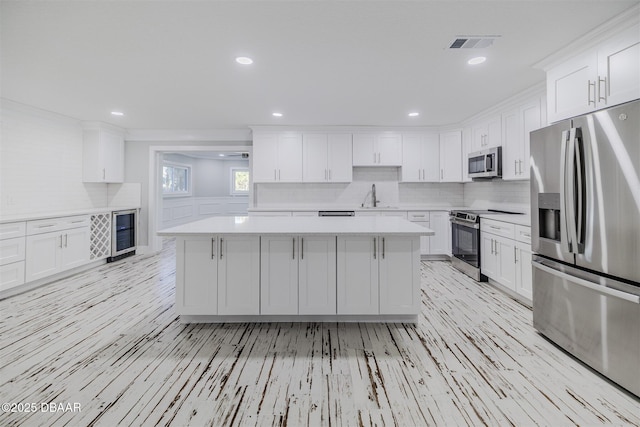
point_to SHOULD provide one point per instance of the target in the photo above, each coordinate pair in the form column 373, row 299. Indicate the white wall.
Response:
column 41, row 163
column 213, row 177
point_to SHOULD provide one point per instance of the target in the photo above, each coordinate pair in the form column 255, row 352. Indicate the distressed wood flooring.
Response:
column 109, row 341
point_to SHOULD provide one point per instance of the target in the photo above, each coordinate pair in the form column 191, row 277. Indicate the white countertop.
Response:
column 299, row 225
column 512, row 219
column 58, row 214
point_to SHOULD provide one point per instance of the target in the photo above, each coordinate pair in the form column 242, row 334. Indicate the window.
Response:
column 239, row 181
column 176, row 179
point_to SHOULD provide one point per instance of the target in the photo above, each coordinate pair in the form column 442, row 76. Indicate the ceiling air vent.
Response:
column 472, row 42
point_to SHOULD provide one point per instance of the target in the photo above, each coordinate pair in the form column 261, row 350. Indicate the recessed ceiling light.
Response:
column 220, row 155
column 244, row 60
column 414, row 114
column 276, row 114
column 476, row 60
column 117, row 113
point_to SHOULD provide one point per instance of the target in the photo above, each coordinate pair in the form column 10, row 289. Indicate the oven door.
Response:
column 465, row 242
column 124, row 232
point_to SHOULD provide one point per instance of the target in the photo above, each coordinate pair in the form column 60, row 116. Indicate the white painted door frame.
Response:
column 155, row 181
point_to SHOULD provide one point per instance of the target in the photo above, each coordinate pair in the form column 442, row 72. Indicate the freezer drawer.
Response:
column 598, row 324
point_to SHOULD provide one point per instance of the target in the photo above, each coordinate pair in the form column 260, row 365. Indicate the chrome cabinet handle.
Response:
column 600, row 97
column 494, row 227
column 66, row 240
column 589, row 85
column 374, row 248
column 61, row 241
column 383, row 248
column 520, row 163
column 515, row 167
column 329, row 174
column 302, row 248
column 293, row 248
column 213, row 246
column 515, row 255
column 221, row 248
column 441, row 173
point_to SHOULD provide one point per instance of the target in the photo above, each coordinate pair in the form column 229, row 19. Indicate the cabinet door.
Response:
column 197, row 275
column 239, row 275
column 12, row 250
column 524, row 273
column 399, row 265
column 11, row 275
column 278, row 275
column 488, row 260
column 412, row 159
column 531, row 116
column 571, row 87
column 494, row 132
column 43, row 255
column 75, row 249
column 389, row 150
column 265, row 158
column 619, row 69
column 506, row 255
column 364, row 149
column 317, row 277
column 290, row 157
column 112, row 155
column 357, row 275
column 315, row 154
column 512, row 151
column 431, row 158
column 439, row 221
column 339, row 158
column 451, row 157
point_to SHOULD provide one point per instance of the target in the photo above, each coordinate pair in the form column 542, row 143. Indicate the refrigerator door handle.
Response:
column 587, row 284
column 571, row 192
column 564, row 225
column 580, row 202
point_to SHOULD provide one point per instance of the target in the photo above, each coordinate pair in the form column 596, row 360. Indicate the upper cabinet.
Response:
column 102, row 153
column 451, row 156
column 487, row 134
column 327, row 157
column 421, row 157
column 517, row 124
column 377, row 149
column 277, row 157
column 606, row 75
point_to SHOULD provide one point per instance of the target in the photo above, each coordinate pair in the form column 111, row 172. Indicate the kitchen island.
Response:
column 264, row 269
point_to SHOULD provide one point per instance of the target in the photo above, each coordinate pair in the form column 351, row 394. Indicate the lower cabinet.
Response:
column 378, row 275
column 507, row 260
column 51, row 253
column 317, row 275
column 218, row 275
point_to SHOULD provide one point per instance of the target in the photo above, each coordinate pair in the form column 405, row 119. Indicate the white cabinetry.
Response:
column 102, row 153
column 317, row 275
column 327, row 157
column 239, row 275
column 451, row 156
column 421, row 157
column 357, row 275
column 487, row 134
column 55, row 245
column 197, row 275
column 399, row 269
column 440, row 243
column 517, row 125
column 278, row 275
column 506, row 255
column 12, row 254
column 377, row 149
column 277, row 157
column 601, row 77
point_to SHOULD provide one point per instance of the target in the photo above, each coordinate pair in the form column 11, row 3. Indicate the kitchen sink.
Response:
column 379, row 207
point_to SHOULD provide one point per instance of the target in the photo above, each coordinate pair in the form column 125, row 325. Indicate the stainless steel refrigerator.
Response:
column 585, row 217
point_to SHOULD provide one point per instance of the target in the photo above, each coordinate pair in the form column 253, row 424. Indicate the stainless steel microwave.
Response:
column 486, row 164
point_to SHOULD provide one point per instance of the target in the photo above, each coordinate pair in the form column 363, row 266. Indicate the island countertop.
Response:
column 298, row 225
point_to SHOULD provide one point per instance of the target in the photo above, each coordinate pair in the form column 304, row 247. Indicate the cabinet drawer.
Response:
column 12, row 250
column 56, row 224
column 12, row 229
column 523, row 234
column 498, row 228
column 419, row 216
column 11, row 275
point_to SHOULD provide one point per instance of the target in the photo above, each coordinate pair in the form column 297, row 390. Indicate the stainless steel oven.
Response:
column 465, row 244
column 123, row 234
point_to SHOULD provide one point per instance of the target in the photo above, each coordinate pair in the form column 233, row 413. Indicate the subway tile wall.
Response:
column 498, row 194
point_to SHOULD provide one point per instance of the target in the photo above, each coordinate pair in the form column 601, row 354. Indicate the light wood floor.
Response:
column 109, row 340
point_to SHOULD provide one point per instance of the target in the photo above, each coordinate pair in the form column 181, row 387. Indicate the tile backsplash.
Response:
column 494, row 194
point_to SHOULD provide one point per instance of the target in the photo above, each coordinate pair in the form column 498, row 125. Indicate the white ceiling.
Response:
column 170, row 64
